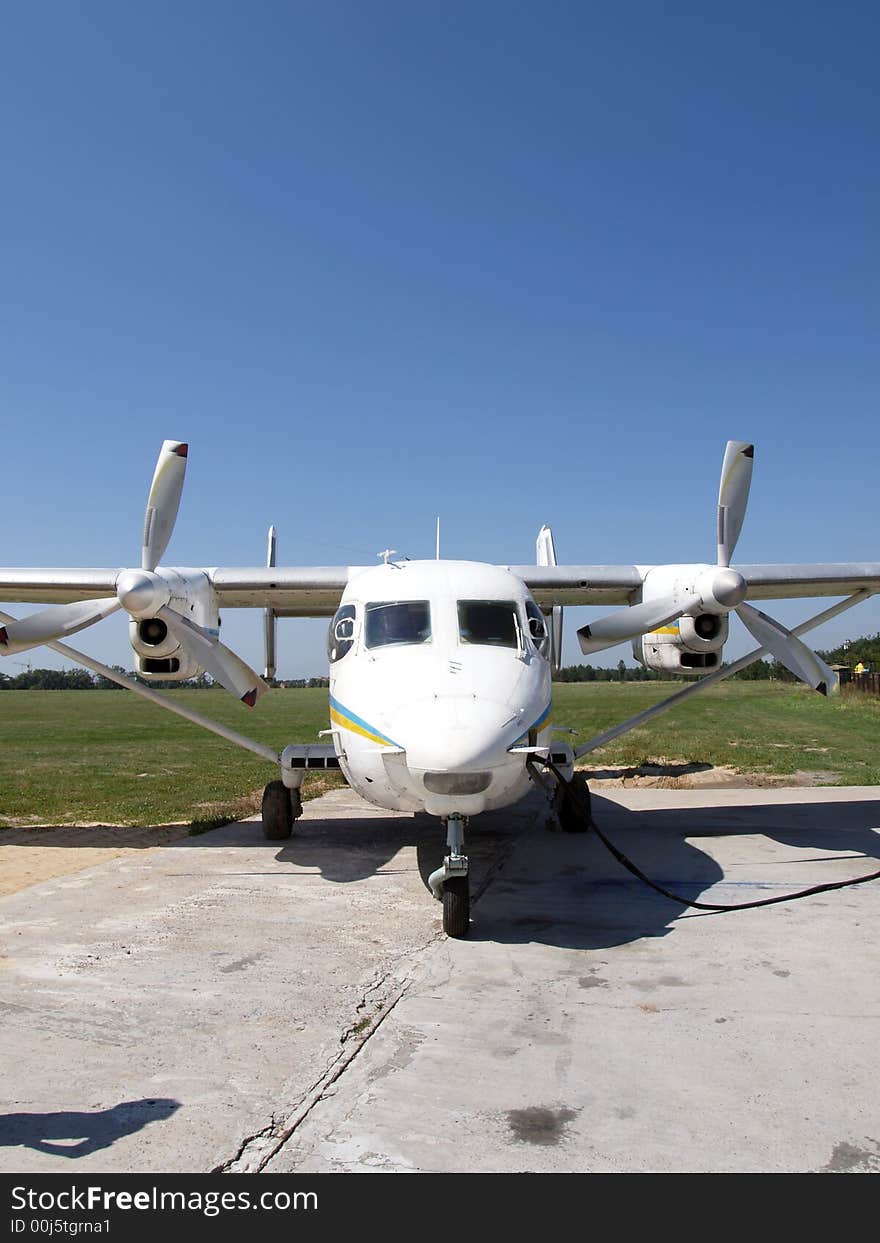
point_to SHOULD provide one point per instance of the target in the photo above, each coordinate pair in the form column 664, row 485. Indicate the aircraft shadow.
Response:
column 567, row 890
column 53, row 1132
column 355, row 849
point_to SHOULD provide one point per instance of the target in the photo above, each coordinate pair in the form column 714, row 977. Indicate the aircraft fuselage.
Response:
column 437, row 671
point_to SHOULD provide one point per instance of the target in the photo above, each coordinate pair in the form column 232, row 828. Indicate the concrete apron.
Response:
column 233, row 1003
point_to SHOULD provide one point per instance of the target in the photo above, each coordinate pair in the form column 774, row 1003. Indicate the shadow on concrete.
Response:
column 529, row 884
column 569, row 891
column 566, row 889
column 74, row 1134
column 354, row 849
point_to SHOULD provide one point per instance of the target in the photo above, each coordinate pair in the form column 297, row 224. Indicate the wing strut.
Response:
column 248, row 744
column 665, row 704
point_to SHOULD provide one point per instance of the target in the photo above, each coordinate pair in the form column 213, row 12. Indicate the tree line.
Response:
column 622, row 672
column 83, row 680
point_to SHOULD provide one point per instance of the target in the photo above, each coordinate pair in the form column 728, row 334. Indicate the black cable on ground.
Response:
column 573, row 792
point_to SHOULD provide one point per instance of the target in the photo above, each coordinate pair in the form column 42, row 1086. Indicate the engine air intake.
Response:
column 152, row 632
column 699, row 660
column 150, row 664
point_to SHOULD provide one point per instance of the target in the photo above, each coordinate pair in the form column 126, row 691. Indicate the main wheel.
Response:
column 456, row 906
column 277, row 812
column 575, row 814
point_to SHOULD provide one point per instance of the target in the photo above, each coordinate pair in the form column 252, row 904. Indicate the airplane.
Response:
column 440, row 670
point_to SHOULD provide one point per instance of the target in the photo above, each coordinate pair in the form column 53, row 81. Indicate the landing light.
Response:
column 457, row 783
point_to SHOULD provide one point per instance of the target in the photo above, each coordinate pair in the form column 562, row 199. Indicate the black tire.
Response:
column 456, row 906
column 575, row 814
column 277, row 812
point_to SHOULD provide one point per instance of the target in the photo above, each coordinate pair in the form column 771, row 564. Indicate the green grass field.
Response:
column 78, row 757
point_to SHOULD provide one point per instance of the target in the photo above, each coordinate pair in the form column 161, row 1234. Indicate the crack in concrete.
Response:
column 258, row 1149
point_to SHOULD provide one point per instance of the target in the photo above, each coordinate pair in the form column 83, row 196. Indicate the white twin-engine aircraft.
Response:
column 440, row 671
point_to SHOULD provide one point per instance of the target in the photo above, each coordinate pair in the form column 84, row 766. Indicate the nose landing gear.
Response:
column 450, row 884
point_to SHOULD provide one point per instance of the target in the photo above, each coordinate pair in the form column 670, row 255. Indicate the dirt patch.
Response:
column 31, row 855
column 670, row 775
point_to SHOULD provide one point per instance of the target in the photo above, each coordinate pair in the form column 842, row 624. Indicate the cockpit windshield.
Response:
column 407, row 621
column 490, row 622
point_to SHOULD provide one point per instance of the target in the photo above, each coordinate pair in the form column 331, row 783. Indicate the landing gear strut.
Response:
column 450, row 884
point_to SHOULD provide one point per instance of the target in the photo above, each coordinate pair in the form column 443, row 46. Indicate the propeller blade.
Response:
column 53, row 623
column 213, row 656
column 163, row 502
column 789, row 650
column 630, row 622
column 733, row 493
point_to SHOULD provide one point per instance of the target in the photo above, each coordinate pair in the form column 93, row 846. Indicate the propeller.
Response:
column 144, row 594
column 721, row 590
column 163, row 501
column 630, row 622
column 219, row 660
column 733, row 493
column 788, row 649
column 57, row 622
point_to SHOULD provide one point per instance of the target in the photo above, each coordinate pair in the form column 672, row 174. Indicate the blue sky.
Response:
column 507, row 263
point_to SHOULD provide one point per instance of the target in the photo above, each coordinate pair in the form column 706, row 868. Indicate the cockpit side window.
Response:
column 489, row 622
column 538, row 631
column 399, row 621
column 340, row 637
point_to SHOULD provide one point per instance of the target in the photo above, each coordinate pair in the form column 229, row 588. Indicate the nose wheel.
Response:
column 450, row 883
column 456, row 906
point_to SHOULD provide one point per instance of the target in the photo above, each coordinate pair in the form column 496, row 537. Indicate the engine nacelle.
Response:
column 158, row 655
column 694, row 642
column 681, row 648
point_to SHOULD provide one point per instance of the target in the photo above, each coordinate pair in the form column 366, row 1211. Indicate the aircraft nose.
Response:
column 457, row 734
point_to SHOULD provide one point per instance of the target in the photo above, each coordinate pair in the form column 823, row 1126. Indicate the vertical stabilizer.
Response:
column 270, row 619
column 546, row 555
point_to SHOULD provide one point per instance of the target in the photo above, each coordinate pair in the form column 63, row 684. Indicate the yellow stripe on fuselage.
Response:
column 339, row 719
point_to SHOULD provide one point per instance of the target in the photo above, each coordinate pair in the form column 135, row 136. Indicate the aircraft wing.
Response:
column 291, row 591
column 617, row 584
column 580, row 584
column 780, row 582
column 57, row 586
column 315, row 591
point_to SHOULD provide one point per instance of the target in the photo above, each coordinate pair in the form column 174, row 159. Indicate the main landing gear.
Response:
column 450, row 884
column 571, row 803
column 281, row 806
